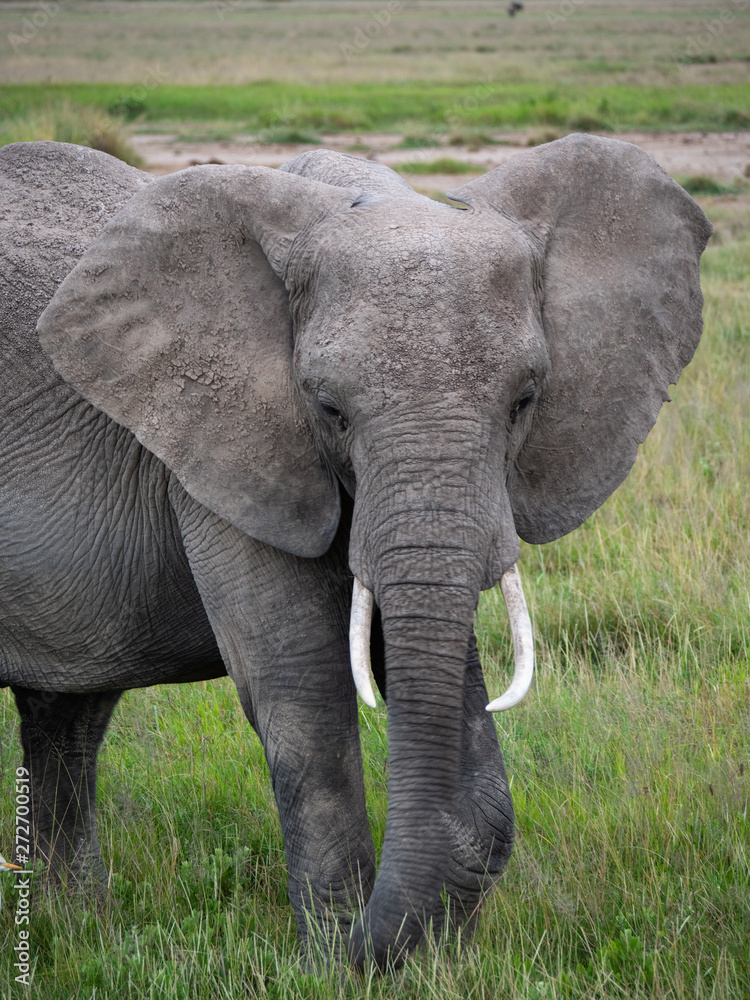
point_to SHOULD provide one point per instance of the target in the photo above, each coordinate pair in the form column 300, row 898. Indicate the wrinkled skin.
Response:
column 255, row 384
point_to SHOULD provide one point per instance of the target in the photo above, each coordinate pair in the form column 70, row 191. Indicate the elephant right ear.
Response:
column 618, row 245
column 176, row 323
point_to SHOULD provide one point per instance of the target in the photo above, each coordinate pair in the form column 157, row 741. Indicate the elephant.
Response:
column 288, row 424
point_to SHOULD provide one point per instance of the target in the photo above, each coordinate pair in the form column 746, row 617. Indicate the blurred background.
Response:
column 166, row 83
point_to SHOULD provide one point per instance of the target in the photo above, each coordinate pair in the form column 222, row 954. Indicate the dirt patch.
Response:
column 721, row 155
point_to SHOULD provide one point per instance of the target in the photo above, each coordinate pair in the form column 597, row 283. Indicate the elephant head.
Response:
column 469, row 376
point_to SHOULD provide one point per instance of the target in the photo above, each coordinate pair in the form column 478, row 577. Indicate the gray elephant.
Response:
column 251, row 388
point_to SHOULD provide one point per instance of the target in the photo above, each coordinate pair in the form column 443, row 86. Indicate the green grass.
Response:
column 629, row 762
column 65, row 122
column 701, row 184
column 442, row 165
column 368, row 107
column 441, row 66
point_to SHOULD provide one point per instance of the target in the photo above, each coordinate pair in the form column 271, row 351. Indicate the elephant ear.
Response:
column 620, row 245
column 176, row 323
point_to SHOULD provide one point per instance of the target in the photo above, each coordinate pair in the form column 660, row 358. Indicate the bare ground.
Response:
column 724, row 156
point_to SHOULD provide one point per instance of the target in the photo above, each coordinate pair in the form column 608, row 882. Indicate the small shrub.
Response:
column 443, row 165
column 82, row 126
column 129, row 108
column 703, row 184
column 736, row 118
column 540, row 138
column 417, row 141
column 471, row 138
column 283, row 134
column 588, row 123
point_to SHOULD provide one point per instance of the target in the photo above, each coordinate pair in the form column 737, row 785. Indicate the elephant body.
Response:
column 137, row 618
column 249, row 386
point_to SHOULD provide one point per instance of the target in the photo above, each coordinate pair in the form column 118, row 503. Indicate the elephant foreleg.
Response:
column 282, row 627
column 61, row 735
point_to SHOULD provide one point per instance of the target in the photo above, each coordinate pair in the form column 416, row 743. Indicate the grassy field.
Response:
column 584, row 43
column 288, row 108
column 629, row 761
column 352, row 65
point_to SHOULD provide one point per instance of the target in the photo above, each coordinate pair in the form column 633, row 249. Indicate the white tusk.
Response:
column 359, row 641
column 523, row 641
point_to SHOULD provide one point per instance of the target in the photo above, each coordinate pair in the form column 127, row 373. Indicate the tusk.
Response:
column 523, row 641
column 359, row 641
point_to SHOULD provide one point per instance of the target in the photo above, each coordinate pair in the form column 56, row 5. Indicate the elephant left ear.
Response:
column 618, row 243
column 176, row 322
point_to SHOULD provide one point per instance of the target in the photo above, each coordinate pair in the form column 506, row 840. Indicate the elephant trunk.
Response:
column 426, row 648
column 426, row 561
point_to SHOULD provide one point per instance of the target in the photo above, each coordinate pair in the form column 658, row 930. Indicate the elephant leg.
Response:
column 282, row 626
column 61, row 735
column 482, row 828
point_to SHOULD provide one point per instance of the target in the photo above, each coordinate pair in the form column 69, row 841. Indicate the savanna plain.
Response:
column 630, row 758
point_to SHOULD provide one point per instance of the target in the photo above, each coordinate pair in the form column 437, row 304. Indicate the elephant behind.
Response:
column 265, row 384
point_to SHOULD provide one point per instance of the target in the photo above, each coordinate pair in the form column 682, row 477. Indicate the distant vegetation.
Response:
column 555, row 43
column 702, row 185
column 317, row 66
column 285, row 108
column 442, row 165
column 66, row 122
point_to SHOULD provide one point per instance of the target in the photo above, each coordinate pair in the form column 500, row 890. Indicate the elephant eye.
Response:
column 523, row 404
column 332, row 412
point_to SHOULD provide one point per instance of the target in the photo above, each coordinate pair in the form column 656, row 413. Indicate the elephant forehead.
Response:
column 437, row 274
column 416, row 254
column 432, row 326
column 425, row 299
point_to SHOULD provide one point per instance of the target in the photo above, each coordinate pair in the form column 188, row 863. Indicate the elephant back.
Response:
column 54, row 200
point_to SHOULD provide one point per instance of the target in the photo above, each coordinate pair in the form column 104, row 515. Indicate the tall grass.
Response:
column 402, row 106
column 629, row 762
column 63, row 121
